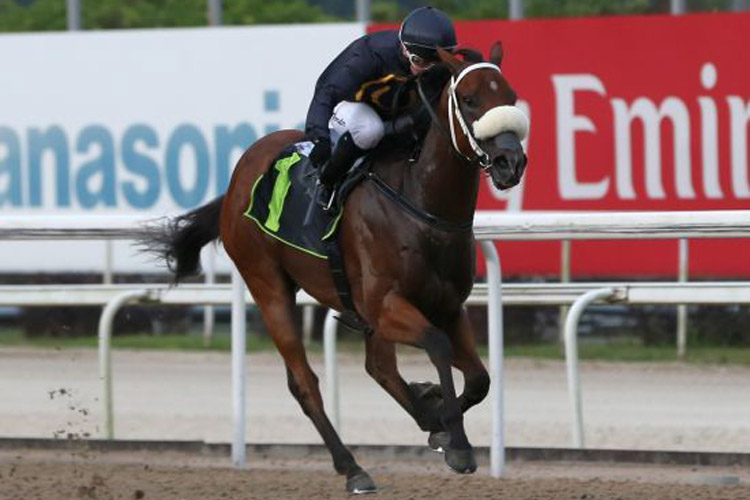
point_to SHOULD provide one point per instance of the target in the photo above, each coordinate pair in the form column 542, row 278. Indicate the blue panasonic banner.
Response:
column 145, row 122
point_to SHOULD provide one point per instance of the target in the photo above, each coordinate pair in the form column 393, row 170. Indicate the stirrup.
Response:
column 325, row 196
column 328, row 205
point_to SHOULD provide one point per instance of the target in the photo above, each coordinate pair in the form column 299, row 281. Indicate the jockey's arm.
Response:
column 339, row 82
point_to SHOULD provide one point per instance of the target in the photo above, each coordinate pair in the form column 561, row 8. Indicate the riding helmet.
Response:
column 425, row 29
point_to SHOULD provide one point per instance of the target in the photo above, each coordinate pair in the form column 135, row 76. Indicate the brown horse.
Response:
column 410, row 270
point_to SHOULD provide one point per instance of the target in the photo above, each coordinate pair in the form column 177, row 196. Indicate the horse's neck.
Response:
column 441, row 182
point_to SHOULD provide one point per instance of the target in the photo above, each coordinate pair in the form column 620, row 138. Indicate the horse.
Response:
column 409, row 256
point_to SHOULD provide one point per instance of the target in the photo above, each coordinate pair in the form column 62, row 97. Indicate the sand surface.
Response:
column 57, row 475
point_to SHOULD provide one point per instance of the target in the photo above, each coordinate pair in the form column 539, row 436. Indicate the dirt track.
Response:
column 48, row 475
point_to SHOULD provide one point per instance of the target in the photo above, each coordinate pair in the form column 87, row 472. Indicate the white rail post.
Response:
column 495, row 341
column 332, row 378
column 564, row 278
column 308, row 322
column 571, row 357
column 209, row 317
column 108, row 277
column 682, row 308
column 238, row 369
column 105, row 354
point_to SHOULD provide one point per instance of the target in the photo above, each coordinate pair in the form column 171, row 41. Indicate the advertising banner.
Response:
column 627, row 113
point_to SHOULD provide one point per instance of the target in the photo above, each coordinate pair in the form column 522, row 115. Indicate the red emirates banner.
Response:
column 627, row 113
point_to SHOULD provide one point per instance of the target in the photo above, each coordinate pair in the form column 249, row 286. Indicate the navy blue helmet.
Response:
column 425, row 29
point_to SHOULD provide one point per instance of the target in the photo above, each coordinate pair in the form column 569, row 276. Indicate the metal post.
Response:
column 73, row 9
column 105, row 354
column 208, row 311
column 214, row 12
column 332, row 376
column 516, row 9
column 677, row 7
column 682, row 308
column 564, row 278
column 108, row 262
column 363, row 11
column 495, row 341
column 238, row 369
column 571, row 357
column 308, row 322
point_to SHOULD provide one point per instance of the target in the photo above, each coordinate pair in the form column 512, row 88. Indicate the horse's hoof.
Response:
column 439, row 441
column 360, row 484
column 460, row 461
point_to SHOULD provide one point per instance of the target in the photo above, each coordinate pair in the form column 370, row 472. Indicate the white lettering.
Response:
column 710, row 130
column 568, row 123
column 646, row 111
column 739, row 112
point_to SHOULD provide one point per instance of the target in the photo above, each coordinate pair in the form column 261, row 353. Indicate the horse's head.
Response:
column 484, row 123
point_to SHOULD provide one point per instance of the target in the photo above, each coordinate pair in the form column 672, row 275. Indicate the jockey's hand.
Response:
column 321, row 152
column 401, row 125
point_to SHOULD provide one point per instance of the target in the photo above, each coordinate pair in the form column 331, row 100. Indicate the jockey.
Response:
column 356, row 91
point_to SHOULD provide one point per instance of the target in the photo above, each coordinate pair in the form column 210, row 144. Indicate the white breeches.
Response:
column 358, row 119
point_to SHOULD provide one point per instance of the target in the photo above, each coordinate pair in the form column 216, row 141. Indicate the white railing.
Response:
column 488, row 226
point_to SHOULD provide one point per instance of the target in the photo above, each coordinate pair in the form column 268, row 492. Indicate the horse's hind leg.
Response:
column 275, row 297
column 400, row 321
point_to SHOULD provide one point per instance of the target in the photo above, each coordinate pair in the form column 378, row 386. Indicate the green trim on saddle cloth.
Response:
column 334, row 225
column 280, row 190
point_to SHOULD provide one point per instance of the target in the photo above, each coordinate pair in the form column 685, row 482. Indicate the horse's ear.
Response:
column 496, row 53
column 454, row 64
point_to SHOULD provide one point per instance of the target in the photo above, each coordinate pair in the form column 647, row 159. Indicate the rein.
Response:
column 416, row 212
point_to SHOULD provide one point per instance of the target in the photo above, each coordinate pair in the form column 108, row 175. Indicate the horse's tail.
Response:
column 178, row 241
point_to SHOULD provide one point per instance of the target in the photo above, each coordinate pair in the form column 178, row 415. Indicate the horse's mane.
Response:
column 470, row 55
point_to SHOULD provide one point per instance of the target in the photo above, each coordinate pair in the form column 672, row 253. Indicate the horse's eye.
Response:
column 469, row 101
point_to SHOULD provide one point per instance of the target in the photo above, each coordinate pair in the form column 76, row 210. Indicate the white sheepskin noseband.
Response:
column 501, row 119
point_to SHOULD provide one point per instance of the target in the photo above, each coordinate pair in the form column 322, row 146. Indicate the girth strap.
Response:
column 350, row 317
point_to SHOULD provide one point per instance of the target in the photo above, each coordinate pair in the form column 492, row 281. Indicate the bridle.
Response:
column 454, row 110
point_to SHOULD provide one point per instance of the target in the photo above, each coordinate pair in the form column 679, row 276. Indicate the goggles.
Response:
column 417, row 61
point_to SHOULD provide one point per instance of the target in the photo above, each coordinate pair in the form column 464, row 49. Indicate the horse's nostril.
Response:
column 501, row 162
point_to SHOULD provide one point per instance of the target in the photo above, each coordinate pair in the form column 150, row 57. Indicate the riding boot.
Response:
column 342, row 158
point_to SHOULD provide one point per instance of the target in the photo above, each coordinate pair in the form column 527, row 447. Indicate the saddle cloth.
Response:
column 280, row 199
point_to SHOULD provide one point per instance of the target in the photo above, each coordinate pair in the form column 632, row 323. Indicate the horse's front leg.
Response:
column 400, row 321
column 381, row 364
column 465, row 359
